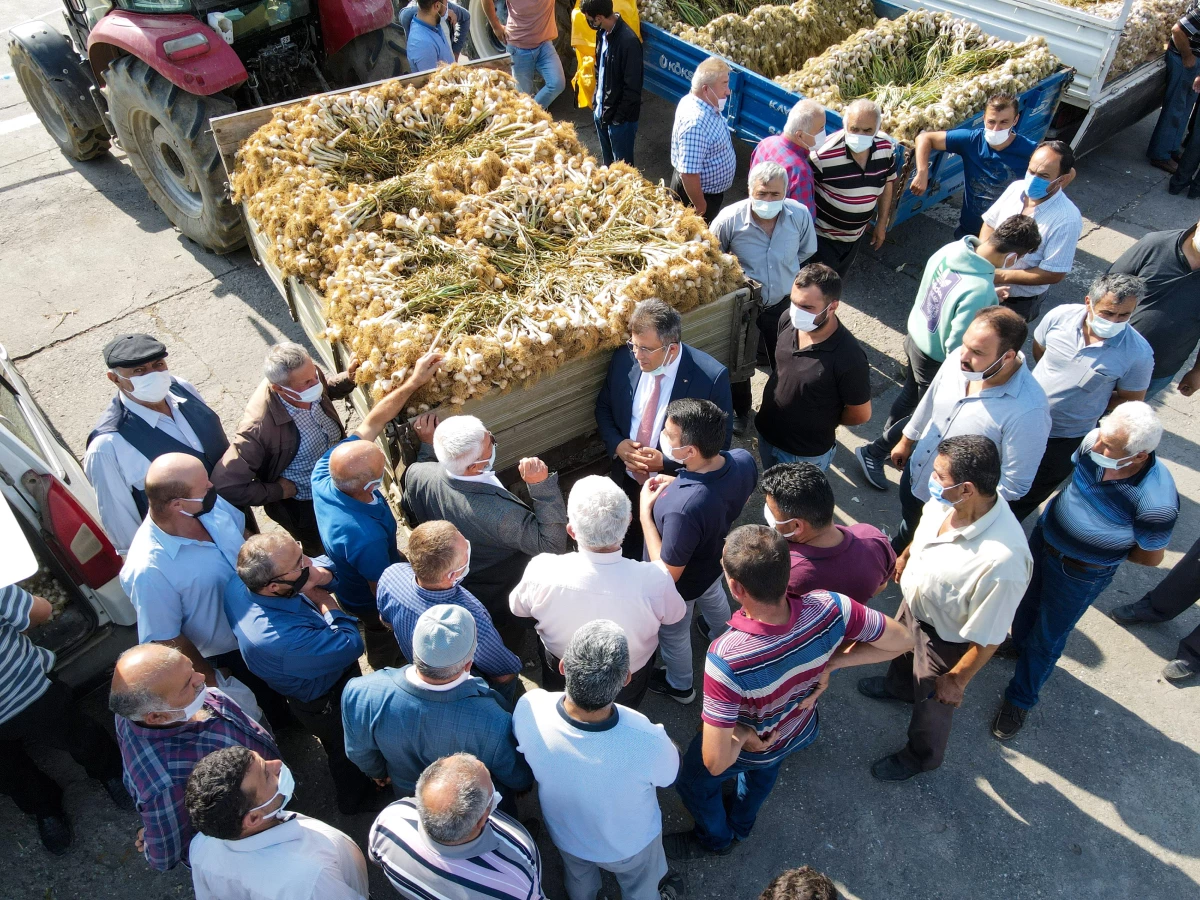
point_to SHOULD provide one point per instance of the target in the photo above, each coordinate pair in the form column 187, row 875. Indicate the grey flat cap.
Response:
column 129, row 350
column 444, row 636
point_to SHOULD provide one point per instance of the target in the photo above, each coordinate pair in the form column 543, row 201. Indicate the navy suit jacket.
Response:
column 700, row 377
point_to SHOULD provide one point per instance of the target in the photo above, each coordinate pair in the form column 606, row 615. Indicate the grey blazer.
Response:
column 504, row 531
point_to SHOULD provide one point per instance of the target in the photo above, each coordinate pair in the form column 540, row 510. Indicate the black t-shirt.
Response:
column 806, row 394
column 1169, row 315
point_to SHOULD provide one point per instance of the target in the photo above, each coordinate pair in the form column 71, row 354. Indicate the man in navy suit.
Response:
column 658, row 369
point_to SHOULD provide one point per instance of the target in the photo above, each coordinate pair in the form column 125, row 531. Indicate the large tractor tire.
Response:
column 81, row 137
column 370, row 57
column 165, row 133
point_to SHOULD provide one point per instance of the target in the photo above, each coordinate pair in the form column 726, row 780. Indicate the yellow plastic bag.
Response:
column 583, row 40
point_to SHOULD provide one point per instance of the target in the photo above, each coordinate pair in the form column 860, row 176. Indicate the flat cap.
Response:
column 130, row 350
column 444, row 636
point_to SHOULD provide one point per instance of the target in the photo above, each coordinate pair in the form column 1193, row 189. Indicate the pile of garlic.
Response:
column 460, row 214
column 1146, row 34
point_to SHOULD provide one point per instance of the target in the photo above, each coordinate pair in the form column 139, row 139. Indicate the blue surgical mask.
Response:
column 1037, row 187
column 936, row 491
column 1105, row 462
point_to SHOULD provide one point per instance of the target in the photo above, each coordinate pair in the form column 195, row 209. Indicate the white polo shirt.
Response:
column 565, row 591
column 968, row 582
column 1058, row 221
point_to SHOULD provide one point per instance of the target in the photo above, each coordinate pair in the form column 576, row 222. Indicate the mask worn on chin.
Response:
column 151, row 387
column 207, row 502
column 661, row 370
column 668, row 449
column 1037, row 187
column 1103, row 328
column 766, row 209
column 308, row 395
column 936, row 491
column 803, row 320
column 285, row 789
column 996, row 137
column 774, row 523
column 294, row 587
column 859, row 142
column 194, row 707
column 986, row 373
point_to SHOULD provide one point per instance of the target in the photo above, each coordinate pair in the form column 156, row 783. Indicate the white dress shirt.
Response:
column 114, row 467
column 300, row 859
column 564, row 591
column 485, row 478
column 642, row 396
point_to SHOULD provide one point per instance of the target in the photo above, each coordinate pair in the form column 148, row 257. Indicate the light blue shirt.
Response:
column 427, row 46
column 770, row 259
column 177, row 584
column 1079, row 378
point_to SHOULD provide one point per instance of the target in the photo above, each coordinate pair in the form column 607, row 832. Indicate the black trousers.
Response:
column 274, row 704
column 1054, row 469
column 838, row 255
column 910, row 512
column 1175, row 593
column 322, row 718
column 921, row 369
column 768, row 333
column 631, row 695
column 298, row 519
column 712, row 202
column 634, row 544
column 1029, row 308
column 55, row 719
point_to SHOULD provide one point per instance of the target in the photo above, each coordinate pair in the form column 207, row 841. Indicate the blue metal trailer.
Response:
column 758, row 107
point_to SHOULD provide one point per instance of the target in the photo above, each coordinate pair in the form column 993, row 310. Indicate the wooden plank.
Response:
column 231, row 130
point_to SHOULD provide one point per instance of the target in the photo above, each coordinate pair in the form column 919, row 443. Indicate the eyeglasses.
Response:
column 640, row 352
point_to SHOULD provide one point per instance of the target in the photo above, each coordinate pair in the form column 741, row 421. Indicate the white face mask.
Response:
column 1103, row 328
column 308, row 395
column 859, row 142
column 668, row 449
column 986, row 373
column 766, row 209
column 661, row 370
column 491, row 463
column 151, row 387
column 287, row 787
column 774, row 523
column 458, row 575
column 194, row 707
column 996, row 137
column 1105, row 462
column 371, row 486
column 803, row 320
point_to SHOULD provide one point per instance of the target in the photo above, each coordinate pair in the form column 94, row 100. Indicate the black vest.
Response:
column 154, row 442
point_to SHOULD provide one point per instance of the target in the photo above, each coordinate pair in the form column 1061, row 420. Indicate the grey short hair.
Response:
column 255, row 566
column 803, row 118
column 709, row 72
column 596, row 664
column 458, row 819
column 862, row 104
column 457, row 443
column 282, row 360
column 1137, row 423
column 655, row 315
column 1118, row 284
column 598, row 512
column 765, row 173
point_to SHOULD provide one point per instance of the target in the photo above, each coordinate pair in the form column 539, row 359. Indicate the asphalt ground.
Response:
column 1095, row 799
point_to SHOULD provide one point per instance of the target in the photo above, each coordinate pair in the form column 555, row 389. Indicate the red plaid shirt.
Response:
column 794, row 158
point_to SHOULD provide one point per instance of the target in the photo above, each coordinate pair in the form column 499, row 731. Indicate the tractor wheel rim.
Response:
column 167, row 165
column 45, row 105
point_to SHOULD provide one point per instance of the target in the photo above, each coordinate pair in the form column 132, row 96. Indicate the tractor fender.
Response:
column 212, row 70
column 63, row 67
column 344, row 20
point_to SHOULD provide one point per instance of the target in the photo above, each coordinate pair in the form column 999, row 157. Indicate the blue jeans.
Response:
column 464, row 25
column 543, row 60
column 616, row 141
column 773, row 456
column 1157, row 386
column 1176, row 109
column 700, row 791
column 1057, row 597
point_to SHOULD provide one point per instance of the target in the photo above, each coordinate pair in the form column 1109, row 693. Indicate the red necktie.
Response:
column 646, row 425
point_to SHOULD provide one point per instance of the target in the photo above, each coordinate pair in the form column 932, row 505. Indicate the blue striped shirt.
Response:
column 23, row 664
column 401, row 601
column 701, row 145
column 1099, row 522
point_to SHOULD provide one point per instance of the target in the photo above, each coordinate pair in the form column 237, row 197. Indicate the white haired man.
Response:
column 564, row 591
column 450, row 840
column 1120, row 504
column 855, row 171
column 772, row 237
column 702, row 154
column 289, row 424
column 502, row 530
column 583, row 747
column 357, row 527
column 803, row 132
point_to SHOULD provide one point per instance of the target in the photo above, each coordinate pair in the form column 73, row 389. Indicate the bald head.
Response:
column 454, row 798
column 171, row 477
column 355, row 464
column 149, row 681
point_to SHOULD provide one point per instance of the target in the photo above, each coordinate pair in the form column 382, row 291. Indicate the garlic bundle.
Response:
column 1146, row 34
column 459, row 213
column 45, row 584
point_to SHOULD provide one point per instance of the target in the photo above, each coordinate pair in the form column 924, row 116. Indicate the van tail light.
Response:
column 72, row 534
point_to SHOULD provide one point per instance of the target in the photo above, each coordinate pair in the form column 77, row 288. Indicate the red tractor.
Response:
column 151, row 73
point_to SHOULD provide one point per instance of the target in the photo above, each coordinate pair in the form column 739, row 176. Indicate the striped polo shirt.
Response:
column 846, row 192
column 502, row 862
column 756, row 674
column 1099, row 522
column 23, row 664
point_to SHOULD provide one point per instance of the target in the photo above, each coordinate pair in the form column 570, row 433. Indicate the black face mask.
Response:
column 294, row 587
column 206, row 505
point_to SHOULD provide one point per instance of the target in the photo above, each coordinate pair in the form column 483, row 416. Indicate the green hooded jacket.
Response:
column 957, row 283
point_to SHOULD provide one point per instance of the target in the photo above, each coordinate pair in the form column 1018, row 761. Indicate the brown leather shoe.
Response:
column 1167, row 165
